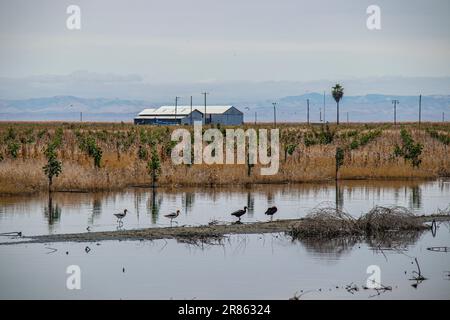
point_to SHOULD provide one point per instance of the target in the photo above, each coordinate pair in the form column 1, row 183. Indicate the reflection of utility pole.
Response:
column 274, row 114
column 176, row 107
column 307, row 111
column 395, row 102
column 204, row 94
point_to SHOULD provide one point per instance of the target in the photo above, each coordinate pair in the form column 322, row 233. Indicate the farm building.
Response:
column 167, row 115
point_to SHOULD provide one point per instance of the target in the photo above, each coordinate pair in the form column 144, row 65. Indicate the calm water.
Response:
column 267, row 266
column 244, row 267
column 74, row 212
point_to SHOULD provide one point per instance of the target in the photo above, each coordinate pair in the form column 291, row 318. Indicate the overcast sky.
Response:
column 176, row 41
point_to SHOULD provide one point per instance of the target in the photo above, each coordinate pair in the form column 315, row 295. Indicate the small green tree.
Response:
column 289, row 150
column 154, row 166
column 53, row 167
column 13, row 149
column 337, row 92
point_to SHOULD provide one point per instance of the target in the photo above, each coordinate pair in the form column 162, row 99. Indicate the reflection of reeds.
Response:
column 121, row 165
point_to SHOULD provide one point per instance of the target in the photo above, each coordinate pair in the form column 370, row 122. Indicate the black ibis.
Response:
column 239, row 213
column 271, row 211
column 120, row 216
column 172, row 215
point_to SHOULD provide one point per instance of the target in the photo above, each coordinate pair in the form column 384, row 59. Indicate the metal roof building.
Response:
column 167, row 115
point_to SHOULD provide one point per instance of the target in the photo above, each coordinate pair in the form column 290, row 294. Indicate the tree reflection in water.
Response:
column 52, row 212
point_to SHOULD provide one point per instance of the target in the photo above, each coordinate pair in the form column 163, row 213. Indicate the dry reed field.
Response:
column 110, row 156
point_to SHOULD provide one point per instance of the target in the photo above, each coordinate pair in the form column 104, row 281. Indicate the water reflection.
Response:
column 202, row 205
column 337, row 247
column 96, row 210
column 154, row 205
column 52, row 212
column 250, row 204
column 188, row 201
column 332, row 248
column 415, row 197
column 339, row 197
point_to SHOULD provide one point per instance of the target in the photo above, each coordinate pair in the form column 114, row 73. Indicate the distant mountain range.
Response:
column 371, row 107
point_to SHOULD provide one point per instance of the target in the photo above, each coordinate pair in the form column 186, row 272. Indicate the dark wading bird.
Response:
column 120, row 216
column 172, row 215
column 239, row 213
column 271, row 211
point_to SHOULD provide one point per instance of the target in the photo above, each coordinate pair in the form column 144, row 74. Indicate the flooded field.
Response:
column 74, row 212
column 266, row 266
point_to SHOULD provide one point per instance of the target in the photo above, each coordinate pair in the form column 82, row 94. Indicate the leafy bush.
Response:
column 142, row 153
column 365, row 139
column 89, row 145
column 409, row 150
column 13, row 148
column 444, row 138
column 324, row 136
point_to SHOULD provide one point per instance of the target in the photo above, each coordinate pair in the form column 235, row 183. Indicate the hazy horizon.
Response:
column 203, row 42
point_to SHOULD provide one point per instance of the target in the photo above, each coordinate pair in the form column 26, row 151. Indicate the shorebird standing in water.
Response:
column 120, row 216
column 271, row 211
column 172, row 216
column 239, row 213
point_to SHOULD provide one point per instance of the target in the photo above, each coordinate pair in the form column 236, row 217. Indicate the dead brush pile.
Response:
column 383, row 219
column 325, row 222
column 330, row 222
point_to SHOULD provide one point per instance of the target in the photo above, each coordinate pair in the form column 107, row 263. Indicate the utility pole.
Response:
column 395, row 102
column 420, row 109
column 347, row 118
column 324, row 106
column 443, row 116
column 320, row 115
column 191, row 112
column 81, row 116
column 204, row 115
column 256, row 117
column 307, row 111
column 274, row 114
column 176, row 107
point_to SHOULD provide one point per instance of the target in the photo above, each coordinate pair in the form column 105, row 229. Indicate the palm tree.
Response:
column 338, row 92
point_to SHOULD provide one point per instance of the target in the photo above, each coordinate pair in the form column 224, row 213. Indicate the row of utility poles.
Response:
column 204, row 115
column 395, row 102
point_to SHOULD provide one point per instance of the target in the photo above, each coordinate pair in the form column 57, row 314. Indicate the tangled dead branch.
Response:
column 382, row 222
column 382, row 219
column 327, row 222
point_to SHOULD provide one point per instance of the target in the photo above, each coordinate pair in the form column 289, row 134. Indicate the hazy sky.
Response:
column 175, row 41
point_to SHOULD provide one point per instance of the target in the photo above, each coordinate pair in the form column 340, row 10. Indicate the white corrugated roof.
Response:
column 187, row 109
column 146, row 111
column 183, row 110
